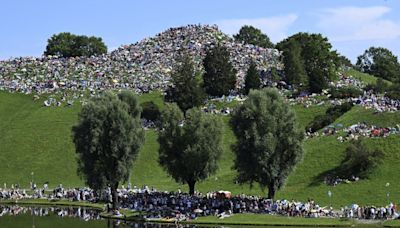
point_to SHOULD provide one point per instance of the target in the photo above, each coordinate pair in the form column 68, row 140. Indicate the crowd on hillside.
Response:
column 379, row 103
column 182, row 206
column 142, row 67
column 356, row 131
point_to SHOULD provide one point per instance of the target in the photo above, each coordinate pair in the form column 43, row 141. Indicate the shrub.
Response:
column 360, row 160
column 150, row 111
column 379, row 87
column 330, row 116
column 345, row 92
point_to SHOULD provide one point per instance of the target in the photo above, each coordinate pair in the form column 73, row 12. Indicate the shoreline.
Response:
column 246, row 219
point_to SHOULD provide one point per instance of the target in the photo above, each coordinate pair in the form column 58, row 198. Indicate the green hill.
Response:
column 34, row 138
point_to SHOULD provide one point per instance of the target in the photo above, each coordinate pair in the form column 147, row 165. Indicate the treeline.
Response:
column 108, row 138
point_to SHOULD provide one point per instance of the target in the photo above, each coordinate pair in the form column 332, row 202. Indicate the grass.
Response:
column 37, row 139
column 366, row 78
column 359, row 114
column 272, row 220
column 392, row 223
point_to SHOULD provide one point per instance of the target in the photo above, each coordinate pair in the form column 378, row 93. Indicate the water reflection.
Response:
column 50, row 216
column 72, row 212
column 15, row 216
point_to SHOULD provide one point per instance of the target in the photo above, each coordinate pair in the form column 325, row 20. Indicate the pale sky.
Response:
column 351, row 25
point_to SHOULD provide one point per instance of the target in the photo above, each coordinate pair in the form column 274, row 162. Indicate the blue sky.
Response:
column 351, row 25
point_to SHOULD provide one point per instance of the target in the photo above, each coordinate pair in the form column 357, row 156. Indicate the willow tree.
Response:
column 107, row 140
column 190, row 146
column 269, row 143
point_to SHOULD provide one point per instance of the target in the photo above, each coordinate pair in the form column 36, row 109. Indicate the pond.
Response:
column 14, row 216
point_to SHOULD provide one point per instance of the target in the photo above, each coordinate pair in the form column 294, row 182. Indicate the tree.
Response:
column 150, row 111
column 250, row 35
column 107, row 139
column 379, row 62
column 294, row 66
column 189, row 147
column 186, row 90
column 359, row 160
column 252, row 80
column 269, row 143
column 66, row 44
column 319, row 61
column 220, row 76
column 344, row 61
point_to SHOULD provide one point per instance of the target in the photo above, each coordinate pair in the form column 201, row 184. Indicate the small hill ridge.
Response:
column 143, row 66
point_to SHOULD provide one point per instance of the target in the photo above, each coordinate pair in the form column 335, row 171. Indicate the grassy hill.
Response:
column 37, row 139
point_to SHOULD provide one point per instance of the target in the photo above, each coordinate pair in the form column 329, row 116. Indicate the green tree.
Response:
column 359, row 160
column 252, row 80
column 107, row 139
column 294, row 66
column 379, row 62
column 150, row 111
column 220, row 76
column 66, row 44
column 269, row 143
column 189, row 147
column 186, row 90
column 319, row 61
column 250, row 35
column 344, row 61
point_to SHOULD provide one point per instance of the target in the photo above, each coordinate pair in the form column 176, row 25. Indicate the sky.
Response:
column 352, row 26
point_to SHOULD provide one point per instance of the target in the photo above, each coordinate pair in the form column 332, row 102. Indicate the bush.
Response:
column 345, row 92
column 150, row 111
column 379, row 87
column 330, row 116
column 359, row 161
column 395, row 95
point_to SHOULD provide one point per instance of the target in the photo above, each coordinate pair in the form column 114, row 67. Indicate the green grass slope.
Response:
column 37, row 139
column 364, row 77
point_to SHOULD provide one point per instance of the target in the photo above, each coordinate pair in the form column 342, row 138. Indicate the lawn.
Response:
column 257, row 219
column 366, row 78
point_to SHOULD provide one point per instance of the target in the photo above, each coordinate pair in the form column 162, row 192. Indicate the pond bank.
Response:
column 236, row 219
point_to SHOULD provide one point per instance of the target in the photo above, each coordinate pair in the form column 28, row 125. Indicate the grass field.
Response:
column 37, row 139
column 257, row 219
column 366, row 78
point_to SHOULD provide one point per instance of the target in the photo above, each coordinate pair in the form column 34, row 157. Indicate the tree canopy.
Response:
column 251, row 35
column 190, row 146
column 380, row 62
column 269, row 143
column 220, row 76
column 320, row 63
column 107, row 139
column 252, row 80
column 186, row 90
column 66, row 44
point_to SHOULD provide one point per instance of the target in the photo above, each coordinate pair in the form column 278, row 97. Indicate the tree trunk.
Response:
column 114, row 196
column 191, row 187
column 271, row 191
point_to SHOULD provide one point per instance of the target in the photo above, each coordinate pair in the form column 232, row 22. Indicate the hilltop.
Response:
column 143, row 66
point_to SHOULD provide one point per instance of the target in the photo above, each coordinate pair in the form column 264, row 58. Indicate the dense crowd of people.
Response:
column 356, row 131
column 181, row 206
column 368, row 99
column 370, row 212
column 142, row 67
